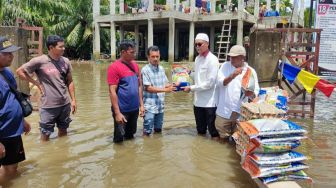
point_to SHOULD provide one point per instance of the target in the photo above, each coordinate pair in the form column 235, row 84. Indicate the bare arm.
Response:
column 25, row 76
column 26, row 127
column 2, row 151
column 152, row 89
column 71, row 88
column 142, row 109
column 119, row 118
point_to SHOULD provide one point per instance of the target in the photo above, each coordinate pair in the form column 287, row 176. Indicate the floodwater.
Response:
column 87, row 157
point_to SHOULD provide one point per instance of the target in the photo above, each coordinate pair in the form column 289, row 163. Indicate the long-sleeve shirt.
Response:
column 206, row 68
column 229, row 96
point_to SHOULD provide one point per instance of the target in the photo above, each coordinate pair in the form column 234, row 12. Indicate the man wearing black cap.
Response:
column 12, row 124
column 54, row 74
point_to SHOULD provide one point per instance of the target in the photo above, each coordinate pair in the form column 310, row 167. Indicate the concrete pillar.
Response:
column 121, row 7
column 240, row 31
column 136, row 39
column 192, row 6
column 212, row 38
column 268, row 4
column 177, row 5
column 191, row 41
column 296, row 8
column 96, row 35
column 122, row 32
column 95, row 8
column 150, row 33
column 112, row 7
column 277, row 5
column 302, row 9
column 176, row 47
column 213, row 6
column 151, row 6
column 240, row 5
column 96, row 43
column 171, row 40
column 113, row 41
column 256, row 8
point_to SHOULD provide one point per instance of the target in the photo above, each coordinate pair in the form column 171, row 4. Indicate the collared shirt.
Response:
column 204, row 88
column 229, row 96
column 154, row 76
column 128, row 84
column 11, row 118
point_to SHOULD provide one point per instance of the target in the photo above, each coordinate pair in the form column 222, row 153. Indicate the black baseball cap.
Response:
column 7, row 46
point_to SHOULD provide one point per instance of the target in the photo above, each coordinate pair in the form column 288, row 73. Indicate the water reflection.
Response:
column 177, row 158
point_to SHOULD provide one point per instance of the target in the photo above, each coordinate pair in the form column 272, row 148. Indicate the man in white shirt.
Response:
column 237, row 82
column 204, row 88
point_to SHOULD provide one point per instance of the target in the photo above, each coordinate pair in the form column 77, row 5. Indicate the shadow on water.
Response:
column 176, row 158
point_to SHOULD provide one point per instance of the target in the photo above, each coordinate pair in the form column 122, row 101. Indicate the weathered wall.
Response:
column 264, row 53
column 18, row 37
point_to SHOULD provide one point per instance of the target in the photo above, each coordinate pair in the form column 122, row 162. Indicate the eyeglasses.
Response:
column 198, row 44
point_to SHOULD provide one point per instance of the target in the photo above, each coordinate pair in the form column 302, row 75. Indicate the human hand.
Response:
column 186, row 88
column 73, row 107
column 238, row 71
column 249, row 93
column 26, row 127
column 175, row 86
column 142, row 111
column 169, row 88
column 120, row 118
column 2, row 151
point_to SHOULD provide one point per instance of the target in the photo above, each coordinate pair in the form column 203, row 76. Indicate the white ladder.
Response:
column 224, row 41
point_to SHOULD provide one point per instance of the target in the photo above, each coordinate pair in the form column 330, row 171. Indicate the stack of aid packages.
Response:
column 275, row 96
column 266, row 144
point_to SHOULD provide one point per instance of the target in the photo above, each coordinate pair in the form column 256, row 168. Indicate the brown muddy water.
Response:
column 87, row 157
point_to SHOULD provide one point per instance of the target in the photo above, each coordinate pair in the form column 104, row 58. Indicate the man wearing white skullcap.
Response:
column 204, row 88
column 237, row 82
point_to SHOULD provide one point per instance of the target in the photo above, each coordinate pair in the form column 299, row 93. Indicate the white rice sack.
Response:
column 276, row 159
column 269, row 127
column 298, row 175
column 265, row 171
column 275, row 147
column 281, row 139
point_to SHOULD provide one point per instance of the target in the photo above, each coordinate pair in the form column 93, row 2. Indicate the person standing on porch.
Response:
column 204, row 88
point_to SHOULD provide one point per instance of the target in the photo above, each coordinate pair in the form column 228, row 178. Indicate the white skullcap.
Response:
column 202, row 36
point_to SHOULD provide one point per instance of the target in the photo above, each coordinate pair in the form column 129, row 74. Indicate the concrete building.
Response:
column 174, row 25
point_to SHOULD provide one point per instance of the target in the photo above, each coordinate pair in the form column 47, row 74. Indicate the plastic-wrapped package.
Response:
column 277, row 159
column 298, row 175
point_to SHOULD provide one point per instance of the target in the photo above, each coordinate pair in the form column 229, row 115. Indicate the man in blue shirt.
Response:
column 12, row 124
column 155, row 84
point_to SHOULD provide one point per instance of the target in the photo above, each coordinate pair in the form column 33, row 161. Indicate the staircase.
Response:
column 224, row 41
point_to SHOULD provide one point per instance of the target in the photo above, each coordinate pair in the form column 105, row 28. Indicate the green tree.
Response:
column 284, row 5
column 71, row 19
column 35, row 12
column 306, row 17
